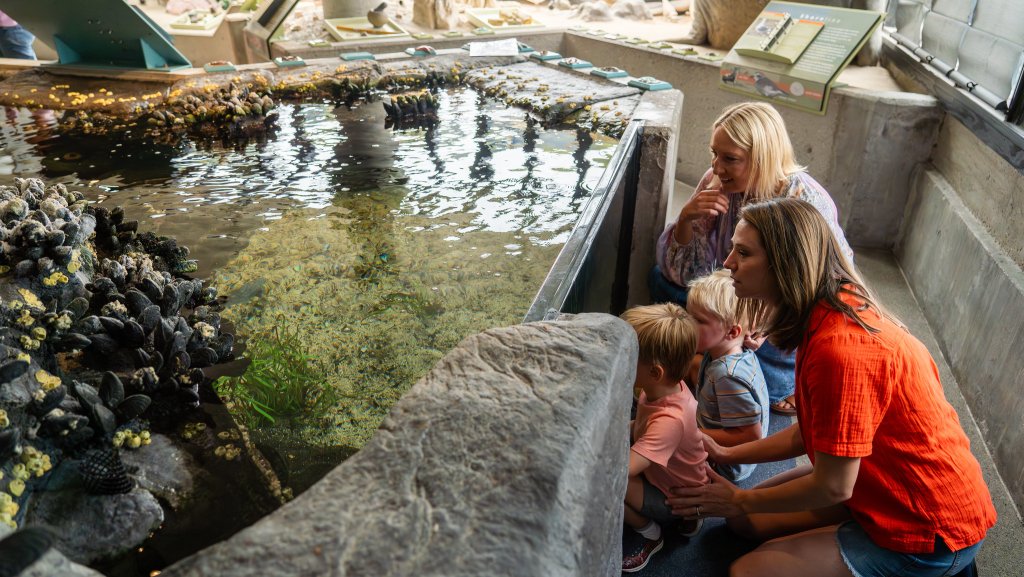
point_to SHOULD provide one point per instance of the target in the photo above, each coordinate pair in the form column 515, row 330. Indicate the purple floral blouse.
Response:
column 712, row 236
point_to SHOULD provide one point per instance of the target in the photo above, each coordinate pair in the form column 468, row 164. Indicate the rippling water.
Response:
column 481, row 157
column 371, row 250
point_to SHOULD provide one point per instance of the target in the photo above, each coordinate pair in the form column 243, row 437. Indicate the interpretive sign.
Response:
column 792, row 53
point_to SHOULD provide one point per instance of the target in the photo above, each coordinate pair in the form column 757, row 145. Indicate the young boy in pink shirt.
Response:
column 667, row 449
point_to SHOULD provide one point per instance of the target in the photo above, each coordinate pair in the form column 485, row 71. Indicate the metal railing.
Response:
column 590, row 273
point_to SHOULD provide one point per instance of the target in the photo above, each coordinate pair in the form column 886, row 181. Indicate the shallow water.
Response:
column 352, row 256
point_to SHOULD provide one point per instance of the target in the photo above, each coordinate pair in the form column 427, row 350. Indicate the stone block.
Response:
column 508, row 458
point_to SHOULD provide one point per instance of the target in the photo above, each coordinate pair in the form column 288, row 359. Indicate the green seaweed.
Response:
column 281, row 381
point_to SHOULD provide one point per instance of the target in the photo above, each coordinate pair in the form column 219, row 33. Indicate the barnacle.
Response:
column 47, row 381
column 30, row 298
column 26, row 319
column 20, row 471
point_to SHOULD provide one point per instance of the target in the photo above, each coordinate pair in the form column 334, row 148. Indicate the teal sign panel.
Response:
column 98, row 33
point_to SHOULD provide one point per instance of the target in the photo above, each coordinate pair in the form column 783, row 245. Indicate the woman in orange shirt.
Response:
column 893, row 488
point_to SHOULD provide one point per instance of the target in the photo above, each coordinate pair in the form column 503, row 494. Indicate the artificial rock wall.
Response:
column 508, row 458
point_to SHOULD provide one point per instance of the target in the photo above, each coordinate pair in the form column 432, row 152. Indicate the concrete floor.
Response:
column 1003, row 551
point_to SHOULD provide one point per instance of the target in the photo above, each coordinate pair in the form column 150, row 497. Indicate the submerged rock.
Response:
column 51, row 563
column 94, row 527
column 164, row 469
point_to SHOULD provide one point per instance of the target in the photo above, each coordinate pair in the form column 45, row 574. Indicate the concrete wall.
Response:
column 661, row 112
column 988, row 185
column 863, row 149
column 960, row 233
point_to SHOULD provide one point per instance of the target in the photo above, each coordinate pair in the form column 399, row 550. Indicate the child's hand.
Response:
column 754, row 340
column 719, row 498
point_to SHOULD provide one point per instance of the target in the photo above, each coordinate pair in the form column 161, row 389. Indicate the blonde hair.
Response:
column 807, row 265
column 758, row 129
column 715, row 294
column 667, row 336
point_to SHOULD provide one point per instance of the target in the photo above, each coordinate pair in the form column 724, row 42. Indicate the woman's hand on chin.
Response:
column 709, row 202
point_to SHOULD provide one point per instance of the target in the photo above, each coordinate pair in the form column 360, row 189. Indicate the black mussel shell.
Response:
column 74, row 341
column 85, row 394
column 204, row 357
column 78, row 307
column 102, row 418
column 133, row 407
column 103, row 344
column 137, row 301
column 90, row 325
column 112, row 326
column 149, row 318
column 50, row 401
column 151, row 290
column 111, row 389
column 133, row 335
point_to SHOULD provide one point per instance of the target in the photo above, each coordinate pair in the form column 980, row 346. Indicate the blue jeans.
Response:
column 16, row 42
column 866, row 559
column 779, row 368
column 664, row 290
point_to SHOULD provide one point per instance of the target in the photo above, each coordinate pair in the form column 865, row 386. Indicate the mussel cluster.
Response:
column 99, row 336
column 231, row 111
column 408, row 106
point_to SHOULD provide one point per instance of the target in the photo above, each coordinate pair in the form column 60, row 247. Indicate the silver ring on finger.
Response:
column 699, row 512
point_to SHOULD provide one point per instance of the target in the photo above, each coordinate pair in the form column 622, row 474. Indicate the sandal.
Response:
column 785, row 407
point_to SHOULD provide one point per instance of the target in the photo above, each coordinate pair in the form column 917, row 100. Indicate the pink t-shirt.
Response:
column 666, row 434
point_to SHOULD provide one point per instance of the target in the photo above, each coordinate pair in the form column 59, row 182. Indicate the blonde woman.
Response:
column 893, row 489
column 752, row 159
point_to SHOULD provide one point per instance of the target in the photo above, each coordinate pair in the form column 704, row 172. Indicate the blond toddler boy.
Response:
column 667, row 449
column 732, row 397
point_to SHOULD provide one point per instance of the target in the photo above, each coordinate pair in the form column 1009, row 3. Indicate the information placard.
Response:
column 792, row 53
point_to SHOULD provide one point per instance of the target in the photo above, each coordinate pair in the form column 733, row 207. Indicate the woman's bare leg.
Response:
column 813, row 553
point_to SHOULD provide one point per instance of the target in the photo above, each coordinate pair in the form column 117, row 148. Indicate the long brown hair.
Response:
column 807, row 265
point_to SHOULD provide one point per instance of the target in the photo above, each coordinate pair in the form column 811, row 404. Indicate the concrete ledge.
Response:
column 508, row 458
column 661, row 112
column 973, row 297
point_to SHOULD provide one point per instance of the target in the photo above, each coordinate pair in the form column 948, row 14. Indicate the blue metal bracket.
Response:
column 98, row 34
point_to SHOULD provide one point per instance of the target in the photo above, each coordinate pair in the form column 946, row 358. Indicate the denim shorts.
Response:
column 865, row 559
column 655, row 507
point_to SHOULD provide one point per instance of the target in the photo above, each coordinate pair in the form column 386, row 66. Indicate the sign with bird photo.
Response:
column 792, row 53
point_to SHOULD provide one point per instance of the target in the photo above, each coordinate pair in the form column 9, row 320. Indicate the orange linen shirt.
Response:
column 877, row 396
